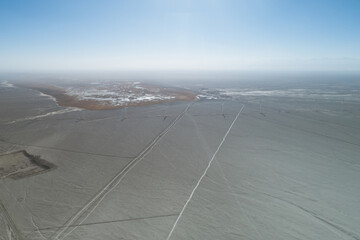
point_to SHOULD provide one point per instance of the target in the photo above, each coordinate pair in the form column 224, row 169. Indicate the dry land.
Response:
column 21, row 164
column 284, row 167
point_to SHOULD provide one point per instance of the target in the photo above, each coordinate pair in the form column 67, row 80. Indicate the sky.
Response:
column 43, row 35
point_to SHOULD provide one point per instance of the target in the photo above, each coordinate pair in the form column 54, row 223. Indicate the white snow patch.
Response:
column 7, row 84
column 296, row 92
column 49, row 96
column 118, row 96
column 62, row 111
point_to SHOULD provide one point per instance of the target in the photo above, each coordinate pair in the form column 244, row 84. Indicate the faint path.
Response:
column 12, row 232
column 232, row 191
column 88, row 208
column 203, row 175
column 113, row 221
column 62, row 149
column 227, row 181
column 307, row 131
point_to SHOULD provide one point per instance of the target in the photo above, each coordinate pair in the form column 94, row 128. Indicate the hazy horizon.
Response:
column 158, row 35
column 179, row 119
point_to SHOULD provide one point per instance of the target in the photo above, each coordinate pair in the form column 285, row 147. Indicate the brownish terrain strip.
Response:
column 65, row 100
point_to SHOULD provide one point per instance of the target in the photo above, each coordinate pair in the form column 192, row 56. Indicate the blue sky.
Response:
column 179, row 35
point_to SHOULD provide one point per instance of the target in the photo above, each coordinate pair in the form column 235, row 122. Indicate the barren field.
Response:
column 242, row 162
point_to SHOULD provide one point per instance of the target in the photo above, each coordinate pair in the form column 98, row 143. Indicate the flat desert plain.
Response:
column 237, row 163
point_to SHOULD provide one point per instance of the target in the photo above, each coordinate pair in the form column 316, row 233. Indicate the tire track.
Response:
column 203, row 175
column 88, row 208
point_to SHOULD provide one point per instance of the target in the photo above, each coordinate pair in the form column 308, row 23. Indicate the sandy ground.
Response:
column 289, row 170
